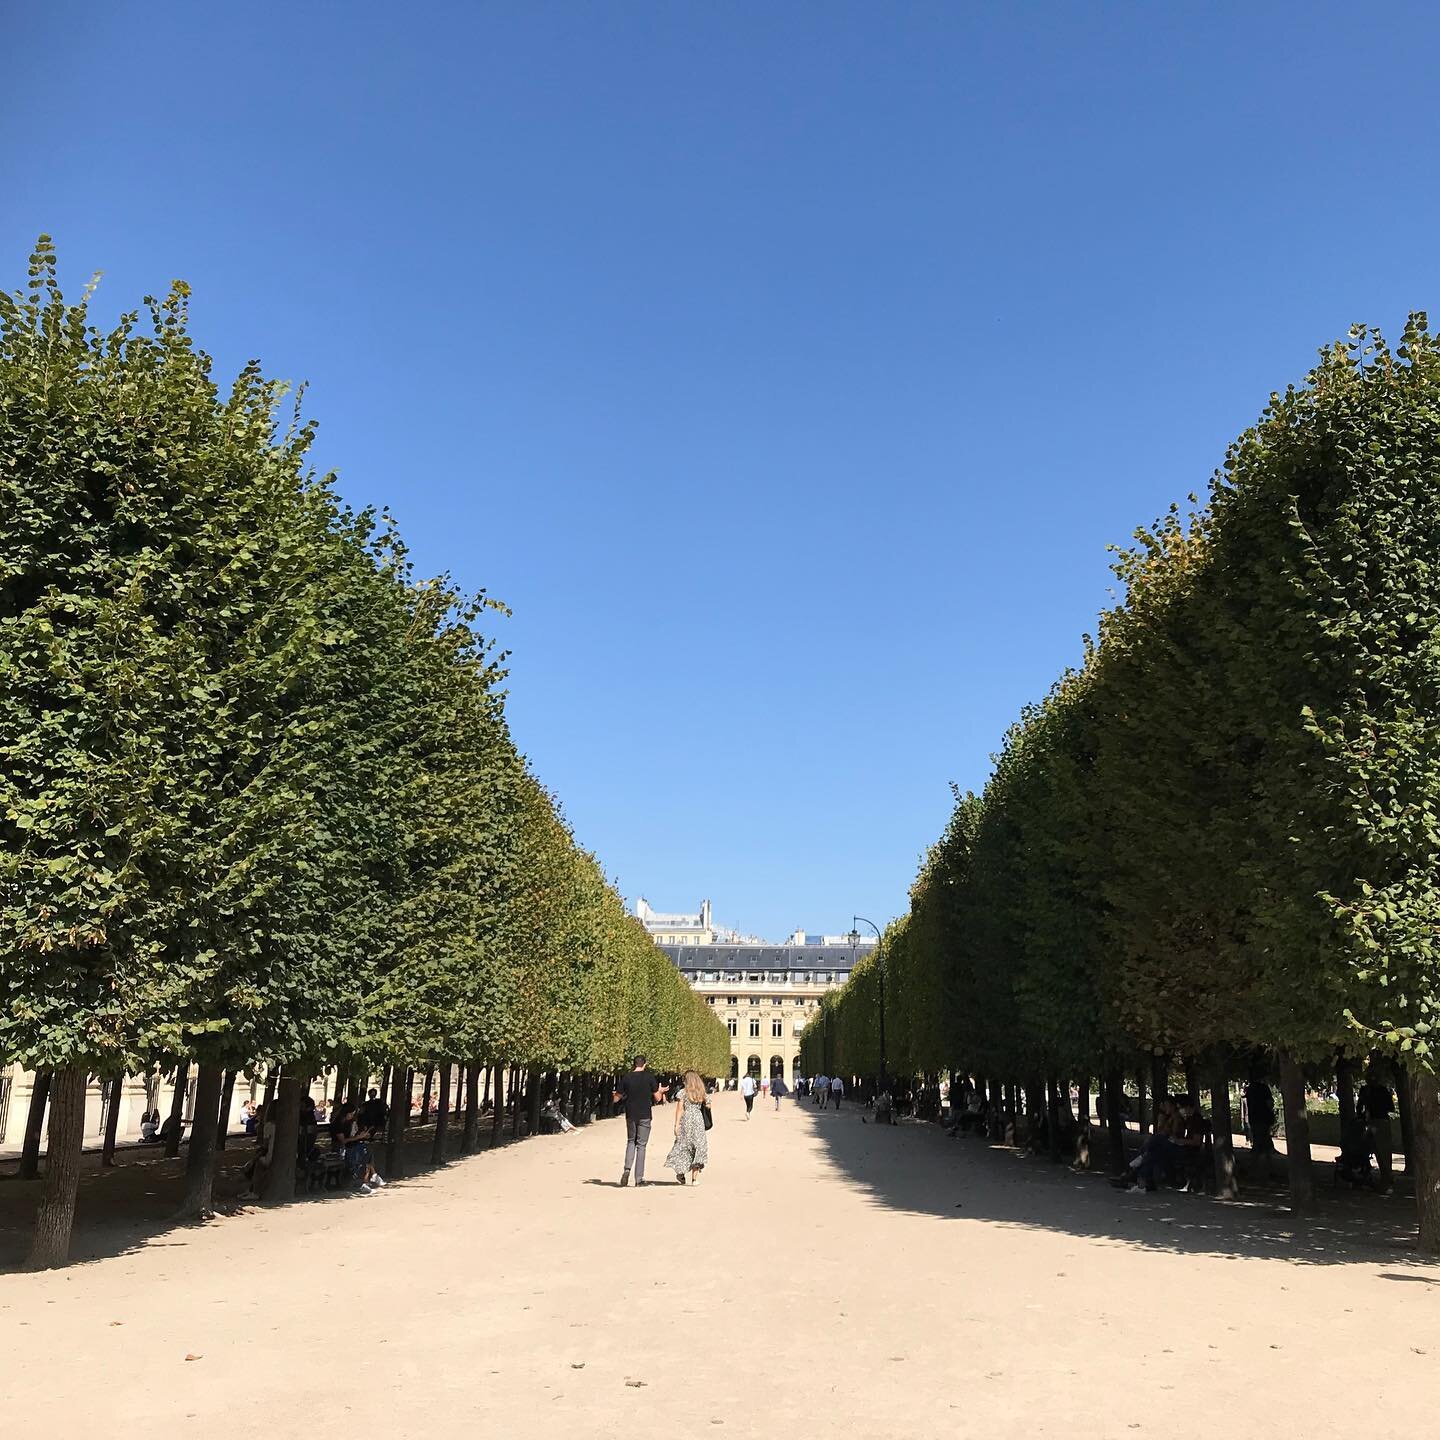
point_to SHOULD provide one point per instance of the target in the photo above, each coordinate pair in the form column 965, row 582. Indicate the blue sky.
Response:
column 786, row 366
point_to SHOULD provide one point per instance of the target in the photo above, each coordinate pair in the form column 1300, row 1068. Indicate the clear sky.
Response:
column 786, row 366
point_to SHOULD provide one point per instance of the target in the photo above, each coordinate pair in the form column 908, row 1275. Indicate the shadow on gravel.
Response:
column 130, row 1206
column 917, row 1167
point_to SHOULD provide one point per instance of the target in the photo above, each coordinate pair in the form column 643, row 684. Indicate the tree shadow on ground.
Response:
column 130, row 1206
column 916, row 1167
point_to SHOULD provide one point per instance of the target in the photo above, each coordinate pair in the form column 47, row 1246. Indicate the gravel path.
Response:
column 829, row 1279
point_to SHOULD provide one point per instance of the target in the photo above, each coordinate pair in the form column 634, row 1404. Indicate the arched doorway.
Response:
column 734, row 1067
column 752, row 1066
column 777, row 1067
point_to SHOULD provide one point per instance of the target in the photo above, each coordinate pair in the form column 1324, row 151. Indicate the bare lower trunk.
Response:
column 56, row 1216
column 1159, row 1083
column 532, row 1096
column 1140, row 1118
column 34, row 1127
column 471, row 1141
column 1114, row 1084
column 399, row 1114
column 1345, row 1092
column 514, row 1095
column 177, row 1109
column 1406, row 1117
column 997, row 1110
column 112, row 1121
column 280, row 1179
column 1297, row 1133
column 442, row 1118
column 227, row 1096
column 489, row 1075
column 1222, row 1126
column 1424, row 1090
column 497, row 1128
column 199, row 1201
column 272, row 1079
column 429, row 1093
column 1085, row 1102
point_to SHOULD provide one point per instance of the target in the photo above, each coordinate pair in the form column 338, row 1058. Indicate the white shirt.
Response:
column 836, row 1086
column 747, row 1085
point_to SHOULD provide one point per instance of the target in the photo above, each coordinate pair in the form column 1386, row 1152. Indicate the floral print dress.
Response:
column 691, row 1149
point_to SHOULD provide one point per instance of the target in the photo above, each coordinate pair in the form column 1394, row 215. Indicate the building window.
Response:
column 777, row 1029
column 754, row 1027
column 755, row 979
column 709, row 999
column 734, row 1025
column 777, row 1000
column 822, row 977
column 754, row 999
column 732, row 999
column 800, row 1002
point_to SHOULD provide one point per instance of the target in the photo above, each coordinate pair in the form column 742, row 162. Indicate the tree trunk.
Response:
column 199, row 1201
column 442, row 1118
column 497, row 1128
column 1192, row 1083
column 1052, row 1115
column 1297, row 1132
column 996, row 1118
column 399, row 1114
column 1159, row 1084
column 1140, row 1124
column 272, row 1079
column 1114, row 1090
column 471, row 1142
column 532, row 1095
column 1222, row 1128
column 1424, row 1090
column 1085, row 1102
column 112, row 1121
column 429, row 1092
column 34, row 1127
column 280, row 1181
column 489, row 1075
column 1406, row 1115
column 222, row 1119
column 514, row 1095
column 177, row 1109
column 56, row 1216
column 1345, row 1093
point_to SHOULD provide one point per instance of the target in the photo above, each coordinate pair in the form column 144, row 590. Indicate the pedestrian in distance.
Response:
column 641, row 1091
column 822, row 1090
column 691, row 1151
column 837, row 1089
column 747, row 1092
column 777, row 1089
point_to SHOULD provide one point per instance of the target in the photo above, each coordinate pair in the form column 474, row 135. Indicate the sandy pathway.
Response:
column 822, row 1282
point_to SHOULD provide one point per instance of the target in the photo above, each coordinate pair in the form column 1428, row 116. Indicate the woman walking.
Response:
column 692, row 1147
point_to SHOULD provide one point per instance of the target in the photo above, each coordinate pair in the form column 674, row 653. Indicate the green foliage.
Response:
column 259, row 800
column 1223, row 831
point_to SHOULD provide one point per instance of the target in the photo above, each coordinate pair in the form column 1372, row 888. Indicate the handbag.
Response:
column 705, row 1114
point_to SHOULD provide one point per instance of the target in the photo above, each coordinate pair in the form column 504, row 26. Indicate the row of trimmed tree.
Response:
column 1217, row 842
column 259, row 804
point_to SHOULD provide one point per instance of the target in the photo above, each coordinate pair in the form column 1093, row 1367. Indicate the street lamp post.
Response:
column 855, row 922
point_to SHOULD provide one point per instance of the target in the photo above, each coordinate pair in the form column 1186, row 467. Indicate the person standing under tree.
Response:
column 641, row 1092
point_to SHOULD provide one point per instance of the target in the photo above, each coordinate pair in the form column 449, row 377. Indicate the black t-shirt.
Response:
column 637, row 1089
column 373, row 1114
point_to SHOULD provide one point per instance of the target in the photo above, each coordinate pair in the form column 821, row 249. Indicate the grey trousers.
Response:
column 637, row 1137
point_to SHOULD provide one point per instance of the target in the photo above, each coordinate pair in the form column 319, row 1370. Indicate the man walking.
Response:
column 822, row 1090
column 837, row 1089
column 640, row 1090
column 747, row 1090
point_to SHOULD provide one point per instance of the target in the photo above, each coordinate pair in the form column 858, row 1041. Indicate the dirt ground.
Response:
column 829, row 1278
